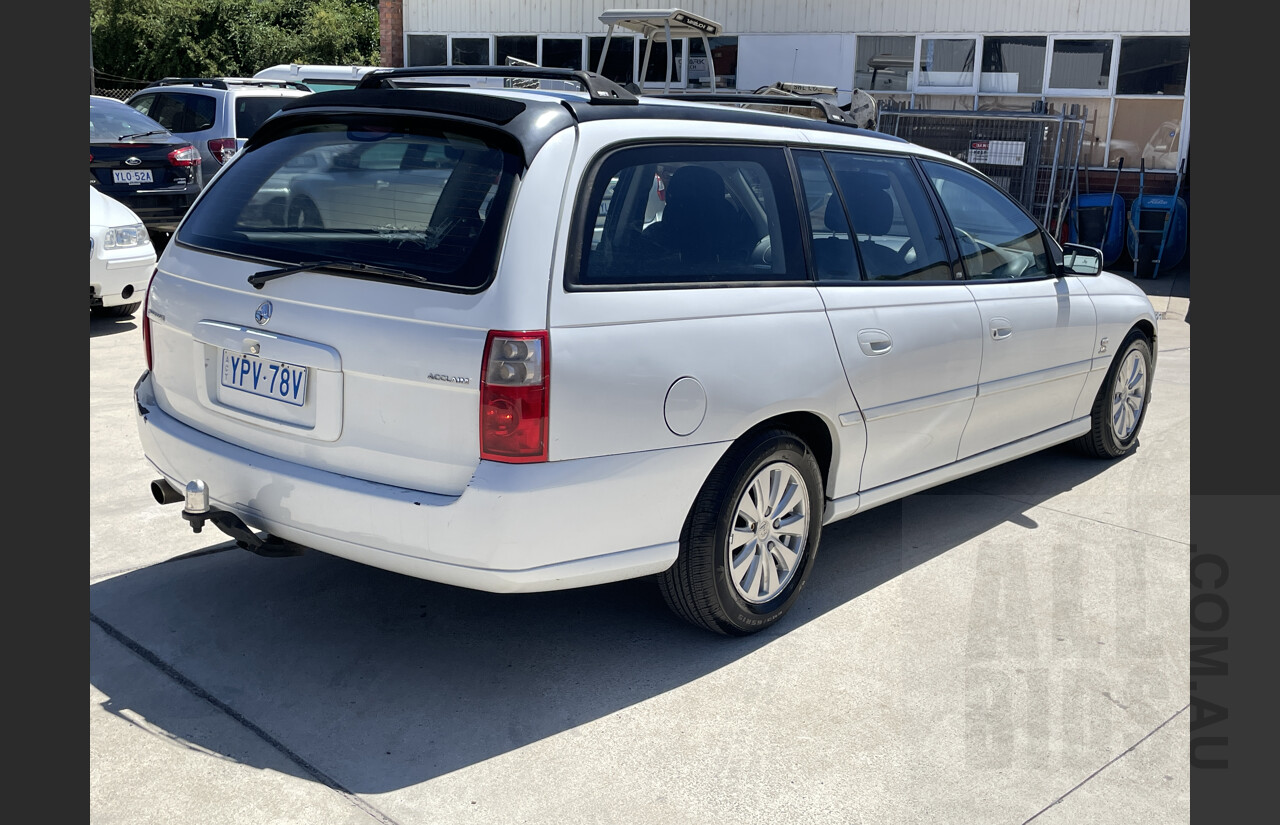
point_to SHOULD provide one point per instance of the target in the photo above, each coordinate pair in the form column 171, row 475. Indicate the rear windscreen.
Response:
column 251, row 111
column 420, row 196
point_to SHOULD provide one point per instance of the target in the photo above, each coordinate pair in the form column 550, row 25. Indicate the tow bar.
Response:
column 196, row 511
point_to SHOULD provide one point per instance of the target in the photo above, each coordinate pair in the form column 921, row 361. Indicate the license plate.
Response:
column 268, row 379
column 131, row 175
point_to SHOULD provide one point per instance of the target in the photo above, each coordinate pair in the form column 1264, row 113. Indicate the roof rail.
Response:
column 831, row 112
column 601, row 89
column 210, row 82
column 225, row 82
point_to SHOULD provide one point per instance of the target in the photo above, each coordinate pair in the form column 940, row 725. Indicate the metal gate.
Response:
column 1032, row 156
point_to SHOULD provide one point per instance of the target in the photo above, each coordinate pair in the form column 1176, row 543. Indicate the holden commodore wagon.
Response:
column 461, row 363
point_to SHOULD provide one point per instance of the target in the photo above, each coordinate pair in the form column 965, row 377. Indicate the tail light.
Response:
column 514, row 390
column 222, row 148
column 186, row 156
column 146, row 319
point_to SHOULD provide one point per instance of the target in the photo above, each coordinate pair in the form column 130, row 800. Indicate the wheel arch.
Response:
column 809, row 427
column 1148, row 329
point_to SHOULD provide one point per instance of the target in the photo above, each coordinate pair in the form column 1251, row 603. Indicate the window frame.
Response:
column 970, row 88
column 1071, row 91
column 486, row 37
column 576, row 252
column 583, row 54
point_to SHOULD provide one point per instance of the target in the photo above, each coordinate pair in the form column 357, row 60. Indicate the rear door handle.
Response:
column 1001, row 328
column 875, row 341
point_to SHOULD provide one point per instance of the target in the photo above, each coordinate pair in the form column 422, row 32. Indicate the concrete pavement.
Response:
column 1010, row 647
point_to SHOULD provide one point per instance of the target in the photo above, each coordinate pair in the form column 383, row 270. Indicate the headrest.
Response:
column 870, row 205
column 694, row 184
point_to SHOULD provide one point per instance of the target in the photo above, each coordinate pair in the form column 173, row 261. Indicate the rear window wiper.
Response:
column 143, row 134
column 260, row 278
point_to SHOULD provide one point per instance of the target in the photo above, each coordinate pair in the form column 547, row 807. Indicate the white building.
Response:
column 1126, row 66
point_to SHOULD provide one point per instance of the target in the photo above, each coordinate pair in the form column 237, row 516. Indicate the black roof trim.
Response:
column 601, row 89
column 531, row 122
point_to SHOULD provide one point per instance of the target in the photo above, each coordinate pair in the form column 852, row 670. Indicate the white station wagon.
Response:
column 522, row 339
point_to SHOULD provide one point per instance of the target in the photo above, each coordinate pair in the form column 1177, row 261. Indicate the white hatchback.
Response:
column 477, row 349
column 121, row 257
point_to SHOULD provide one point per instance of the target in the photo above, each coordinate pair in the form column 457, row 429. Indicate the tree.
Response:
column 143, row 40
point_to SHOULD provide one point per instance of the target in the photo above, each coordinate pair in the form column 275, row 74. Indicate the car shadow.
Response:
column 381, row 681
column 112, row 326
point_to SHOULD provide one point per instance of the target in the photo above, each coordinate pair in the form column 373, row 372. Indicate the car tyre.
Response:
column 303, row 214
column 1122, row 401
column 117, row 311
column 749, row 541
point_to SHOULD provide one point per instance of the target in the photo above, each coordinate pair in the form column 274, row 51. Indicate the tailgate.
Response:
column 372, row 380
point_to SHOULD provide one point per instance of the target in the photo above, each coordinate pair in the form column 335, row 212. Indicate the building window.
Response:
column 1147, row 131
column 724, row 56
column 521, row 47
column 469, row 51
column 1153, row 66
column 656, row 71
column 619, row 63
column 946, row 62
column 1081, row 65
column 562, row 52
column 1012, row 65
column 428, row 50
column 1097, row 122
column 884, row 63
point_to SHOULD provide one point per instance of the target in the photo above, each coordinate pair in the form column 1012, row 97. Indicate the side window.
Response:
column 688, row 214
column 896, row 232
column 997, row 238
column 829, row 236
column 144, row 103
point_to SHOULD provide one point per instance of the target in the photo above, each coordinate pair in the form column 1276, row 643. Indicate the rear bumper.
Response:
column 516, row 528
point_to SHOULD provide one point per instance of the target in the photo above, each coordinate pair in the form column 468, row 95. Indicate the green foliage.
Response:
column 144, row 40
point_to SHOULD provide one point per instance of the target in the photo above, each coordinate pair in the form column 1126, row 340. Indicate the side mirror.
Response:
column 1078, row 259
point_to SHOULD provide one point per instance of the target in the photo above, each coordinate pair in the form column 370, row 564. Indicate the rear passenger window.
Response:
column 179, row 112
column 251, row 111
column 675, row 214
column 834, row 258
column 897, row 234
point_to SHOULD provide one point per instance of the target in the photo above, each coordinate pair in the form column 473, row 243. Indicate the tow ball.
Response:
column 196, row 511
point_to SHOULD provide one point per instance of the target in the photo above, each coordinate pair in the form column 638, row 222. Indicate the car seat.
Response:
column 871, row 210
column 700, row 225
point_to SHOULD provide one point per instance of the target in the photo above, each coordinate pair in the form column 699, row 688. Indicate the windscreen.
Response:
column 111, row 121
column 423, row 196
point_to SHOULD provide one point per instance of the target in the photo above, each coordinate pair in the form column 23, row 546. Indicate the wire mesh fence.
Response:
column 119, row 93
column 1032, row 156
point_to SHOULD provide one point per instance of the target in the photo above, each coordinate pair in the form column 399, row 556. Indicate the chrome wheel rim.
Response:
column 769, row 533
column 1128, row 394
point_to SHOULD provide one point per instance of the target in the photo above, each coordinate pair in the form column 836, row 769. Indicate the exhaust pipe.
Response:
column 164, row 492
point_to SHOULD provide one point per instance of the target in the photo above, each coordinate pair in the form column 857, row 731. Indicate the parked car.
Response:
column 217, row 114
column 135, row 160
column 318, row 78
column 507, row 399
column 121, row 257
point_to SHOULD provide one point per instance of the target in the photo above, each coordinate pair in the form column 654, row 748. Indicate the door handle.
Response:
column 1001, row 328
column 875, row 341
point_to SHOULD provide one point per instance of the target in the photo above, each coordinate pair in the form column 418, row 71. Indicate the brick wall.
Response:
column 391, row 33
